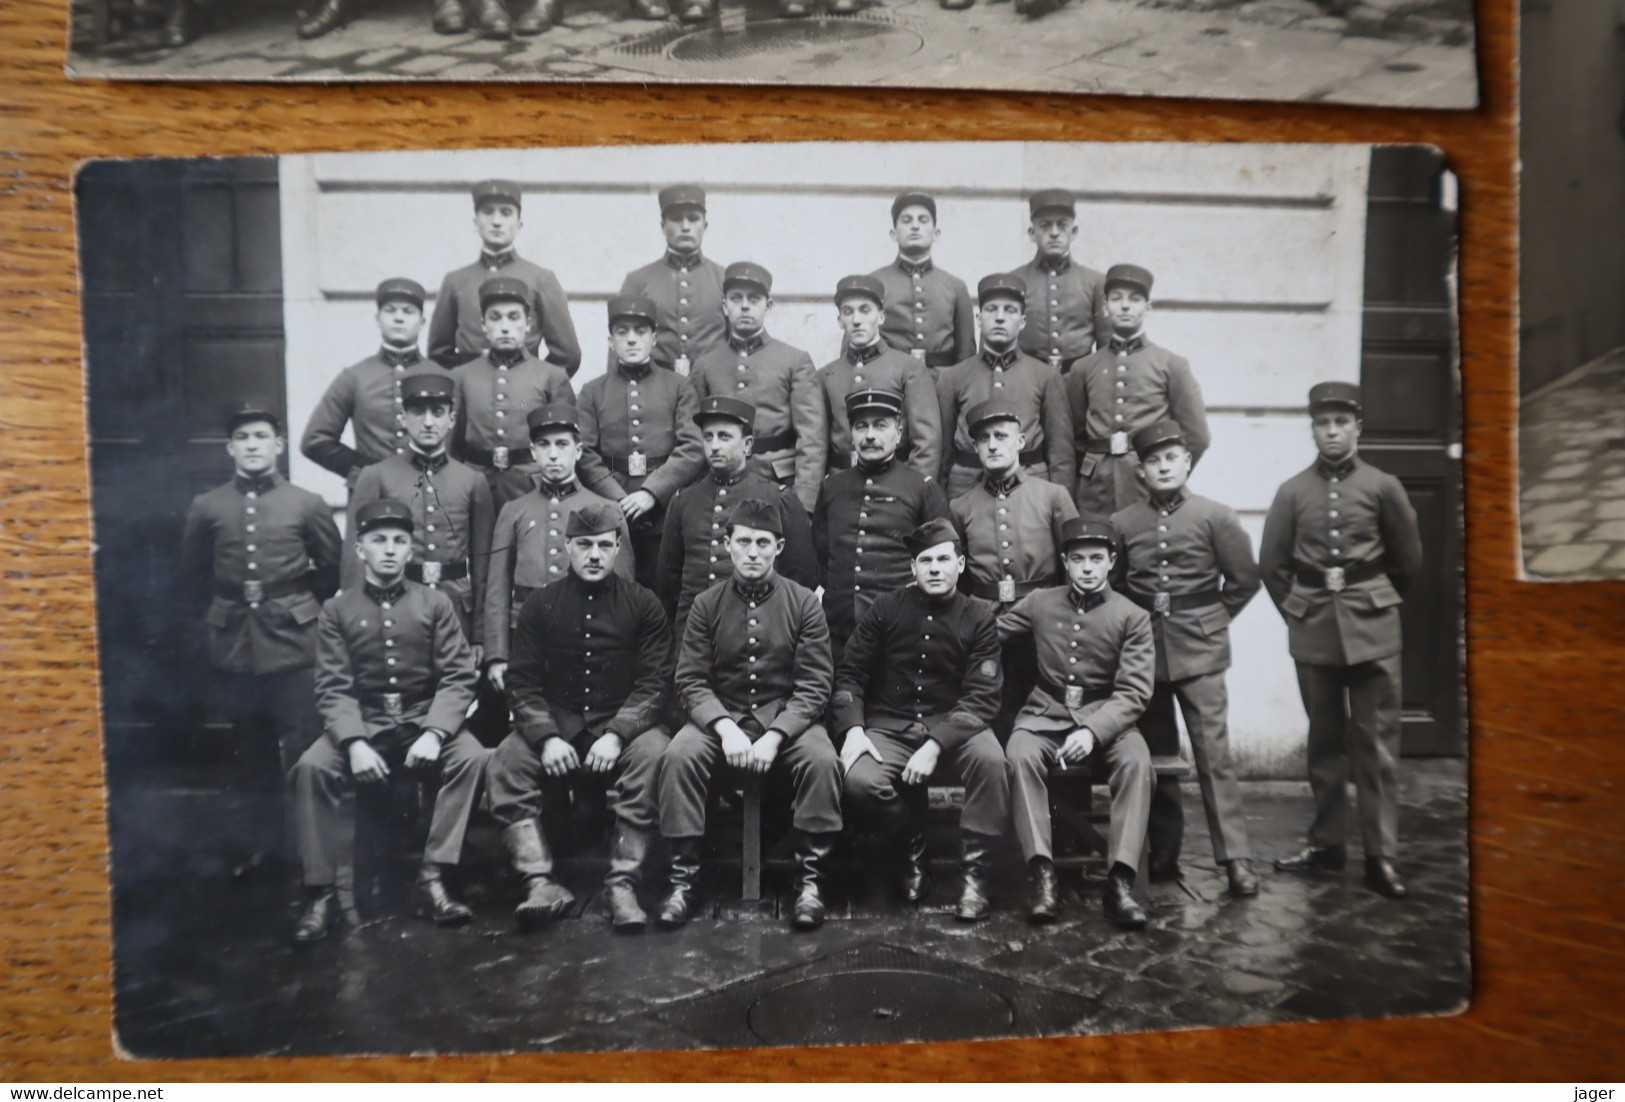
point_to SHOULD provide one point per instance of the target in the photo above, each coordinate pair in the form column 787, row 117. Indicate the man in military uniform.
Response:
column 262, row 554
column 918, row 687
column 496, row 390
column 1097, row 662
column 867, row 362
column 529, row 548
column 367, row 395
column 637, row 429
column 863, row 515
column 1125, row 385
column 1001, row 370
column 753, row 676
column 394, row 677
column 791, row 442
column 457, row 332
column 694, row 547
column 1012, row 524
column 591, row 661
column 450, row 504
column 685, row 287
column 1340, row 547
column 1066, row 301
column 929, row 313
column 1190, row 564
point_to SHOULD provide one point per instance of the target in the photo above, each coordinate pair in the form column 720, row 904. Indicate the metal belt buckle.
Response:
column 431, row 573
column 1007, row 589
column 637, row 465
column 1055, row 360
column 918, row 354
column 499, row 458
column 254, row 591
column 1074, row 696
column 1336, row 580
column 394, row 704
column 681, row 365
column 1119, row 443
column 1162, row 603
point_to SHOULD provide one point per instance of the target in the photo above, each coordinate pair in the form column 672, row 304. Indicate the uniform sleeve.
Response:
column 693, row 677
column 594, row 473
column 981, row 691
column 336, row 699
column 321, row 443
column 458, row 445
column 324, row 546
column 1097, row 306
column 687, row 460
column 924, row 418
column 1076, row 384
column 948, row 417
column 481, row 520
column 1234, row 552
column 532, row 715
column 558, row 390
column 964, row 323
column 1064, row 509
column 933, row 504
column 1060, row 452
column 862, row 656
column 811, row 423
column 443, row 329
column 799, row 562
column 1017, row 619
column 1275, row 548
column 814, row 670
column 563, row 349
column 669, row 565
column 820, row 533
column 647, row 700
column 499, row 586
column 626, row 564
column 1401, row 539
column 1132, row 685
column 369, row 487
column 1186, row 404
column 454, row 669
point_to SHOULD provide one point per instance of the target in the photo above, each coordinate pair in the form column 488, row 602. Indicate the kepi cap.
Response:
column 865, row 285
column 1346, row 395
column 730, row 409
column 753, row 512
column 554, row 416
column 913, row 199
column 1052, row 199
column 1129, row 275
column 985, row 413
column 427, row 386
column 931, row 533
column 593, row 520
column 679, row 196
column 383, row 513
column 631, row 307
column 254, row 408
column 751, row 275
column 1155, row 435
column 1008, row 286
column 503, row 289
column 398, row 288
column 495, row 191
column 878, row 399
column 1088, row 530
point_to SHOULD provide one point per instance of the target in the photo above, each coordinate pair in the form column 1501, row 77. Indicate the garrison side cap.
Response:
column 930, row 534
column 593, row 520
column 755, row 513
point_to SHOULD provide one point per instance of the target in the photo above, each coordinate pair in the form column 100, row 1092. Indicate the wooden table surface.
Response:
column 1544, row 661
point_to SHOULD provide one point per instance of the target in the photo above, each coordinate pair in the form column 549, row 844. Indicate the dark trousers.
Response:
column 1205, row 703
column 807, row 762
column 645, row 550
column 1019, row 657
column 1354, row 712
column 326, row 833
column 1126, row 764
column 273, row 719
column 520, row 790
column 876, row 795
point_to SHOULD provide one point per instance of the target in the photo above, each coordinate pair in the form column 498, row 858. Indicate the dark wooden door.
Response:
column 182, row 277
column 1413, row 419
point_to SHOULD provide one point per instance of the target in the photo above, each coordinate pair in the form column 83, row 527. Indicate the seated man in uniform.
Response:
column 919, row 684
column 754, row 676
column 1096, row 663
column 589, row 673
column 394, row 678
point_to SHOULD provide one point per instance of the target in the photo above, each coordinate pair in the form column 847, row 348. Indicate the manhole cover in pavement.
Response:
column 881, row 1007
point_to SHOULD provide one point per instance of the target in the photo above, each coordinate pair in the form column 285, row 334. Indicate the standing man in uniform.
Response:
column 1340, row 547
column 1096, row 663
column 367, row 395
column 450, row 504
column 685, row 287
column 498, row 389
column 791, row 444
column 266, row 554
column 920, row 683
column 867, row 363
column 1066, row 301
column 1124, row 386
column 1012, row 524
column 637, row 429
column 929, row 313
column 457, row 332
column 591, row 663
column 694, row 547
column 1190, row 564
column 863, row 515
column 394, row 678
column 754, row 677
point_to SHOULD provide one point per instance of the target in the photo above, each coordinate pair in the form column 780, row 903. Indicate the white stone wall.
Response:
column 1258, row 251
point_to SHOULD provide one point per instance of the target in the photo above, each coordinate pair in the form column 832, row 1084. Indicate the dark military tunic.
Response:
column 1036, row 391
column 452, row 516
column 791, row 435
column 1066, row 310
column 456, row 334
column 858, row 527
column 929, row 313
column 495, row 393
column 687, row 293
column 367, row 395
column 883, row 366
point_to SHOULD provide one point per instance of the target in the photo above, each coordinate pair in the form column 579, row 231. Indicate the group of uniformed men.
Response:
column 990, row 496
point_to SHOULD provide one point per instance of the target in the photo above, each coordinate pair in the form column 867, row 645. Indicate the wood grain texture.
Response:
column 1546, row 691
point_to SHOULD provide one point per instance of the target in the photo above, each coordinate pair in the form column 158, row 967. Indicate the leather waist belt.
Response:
column 499, row 458
column 989, row 591
column 778, row 442
column 622, row 465
column 1074, row 696
column 395, row 704
column 940, row 359
column 1164, row 603
column 252, row 591
column 1338, row 578
column 1030, row 457
column 433, row 573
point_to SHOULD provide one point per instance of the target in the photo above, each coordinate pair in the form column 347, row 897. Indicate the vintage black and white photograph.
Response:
column 1388, row 53
column 766, row 595
column 1571, row 348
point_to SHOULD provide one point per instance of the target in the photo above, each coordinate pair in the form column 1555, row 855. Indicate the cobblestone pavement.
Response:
column 203, row 969
column 1415, row 53
column 1571, row 474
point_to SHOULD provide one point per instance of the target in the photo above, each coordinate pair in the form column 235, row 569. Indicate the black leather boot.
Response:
column 915, row 879
column 183, row 24
column 329, row 15
column 1243, row 883
column 1314, row 859
column 321, row 914
column 975, row 862
column 626, row 856
column 537, row 17
column 682, row 888
column 1118, row 899
column 811, row 853
column 1382, row 877
column 545, row 898
column 492, row 18
column 1045, row 902
column 449, row 17
column 431, row 899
